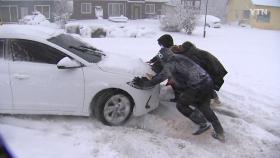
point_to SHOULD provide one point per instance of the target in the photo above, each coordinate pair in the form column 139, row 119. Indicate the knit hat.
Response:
column 166, row 41
column 164, row 55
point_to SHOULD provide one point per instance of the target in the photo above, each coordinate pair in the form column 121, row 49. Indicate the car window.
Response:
column 31, row 51
column 2, row 48
column 78, row 47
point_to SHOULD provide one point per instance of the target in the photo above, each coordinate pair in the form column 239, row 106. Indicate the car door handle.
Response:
column 21, row 76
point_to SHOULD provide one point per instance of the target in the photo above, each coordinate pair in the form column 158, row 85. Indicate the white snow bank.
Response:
column 118, row 18
column 113, row 29
column 210, row 19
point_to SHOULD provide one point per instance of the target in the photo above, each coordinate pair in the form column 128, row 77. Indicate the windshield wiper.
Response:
column 87, row 51
column 93, row 49
column 77, row 48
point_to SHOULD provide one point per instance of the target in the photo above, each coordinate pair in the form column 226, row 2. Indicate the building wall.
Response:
column 130, row 8
column 27, row 4
column 235, row 14
column 158, row 11
column 129, row 5
column 77, row 14
column 274, row 22
column 235, row 10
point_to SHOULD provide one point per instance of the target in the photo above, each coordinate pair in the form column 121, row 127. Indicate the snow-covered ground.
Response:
column 249, row 113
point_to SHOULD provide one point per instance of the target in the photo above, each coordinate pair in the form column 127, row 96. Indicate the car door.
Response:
column 5, row 88
column 37, row 84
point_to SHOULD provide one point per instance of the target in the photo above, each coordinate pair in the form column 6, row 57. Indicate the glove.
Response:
column 145, row 82
column 140, row 82
column 136, row 81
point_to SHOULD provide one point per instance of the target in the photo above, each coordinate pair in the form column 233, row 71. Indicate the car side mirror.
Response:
column 67, row 63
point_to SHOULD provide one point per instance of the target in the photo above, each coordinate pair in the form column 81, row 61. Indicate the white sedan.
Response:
column 45, row 72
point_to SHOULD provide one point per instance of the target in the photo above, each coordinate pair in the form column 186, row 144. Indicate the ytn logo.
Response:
column 258, row 11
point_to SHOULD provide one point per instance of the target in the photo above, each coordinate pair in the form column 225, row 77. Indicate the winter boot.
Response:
column 219, row 136
column 219, row 131
column 202, row 128
column 200, row 120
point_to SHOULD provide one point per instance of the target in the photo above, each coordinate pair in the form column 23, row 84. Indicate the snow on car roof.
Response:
column 273, row 3
column 26, row 31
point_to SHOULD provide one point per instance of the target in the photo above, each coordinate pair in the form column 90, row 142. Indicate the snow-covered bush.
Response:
column 35, row 19
column 178, row 17
column 109, row 29
column 85, row 31
column 97, row 32
column 72, row 28
column 129, row 31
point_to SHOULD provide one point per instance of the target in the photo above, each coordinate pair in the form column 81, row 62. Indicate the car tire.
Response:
column 113, row 108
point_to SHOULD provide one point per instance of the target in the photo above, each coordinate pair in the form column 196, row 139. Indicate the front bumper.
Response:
column 145, row 100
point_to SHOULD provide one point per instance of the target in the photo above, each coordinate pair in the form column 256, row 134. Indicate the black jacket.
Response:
column 207, row 61
column 180, row 70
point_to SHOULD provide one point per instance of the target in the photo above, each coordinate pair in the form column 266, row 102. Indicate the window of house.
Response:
column 197, row 4
column 30, row 51
column 192, row 3
column 9, row 13
column 43, row 9
column 86, row 8
column 116, row 9
column 23, row 11
column 150, row 9
column 246, row 14
column 2, row 48
column 263, row 18
column 189, row 3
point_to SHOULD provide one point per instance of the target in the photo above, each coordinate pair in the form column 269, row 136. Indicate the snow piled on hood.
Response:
column 117, row 63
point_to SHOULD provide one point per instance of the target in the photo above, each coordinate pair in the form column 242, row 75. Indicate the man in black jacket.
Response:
column 207, row 61
column 193, row 82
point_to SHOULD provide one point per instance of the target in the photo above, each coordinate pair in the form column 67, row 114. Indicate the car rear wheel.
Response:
column 113, row 108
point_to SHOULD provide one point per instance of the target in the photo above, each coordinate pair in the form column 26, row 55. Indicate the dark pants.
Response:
column 200, row 99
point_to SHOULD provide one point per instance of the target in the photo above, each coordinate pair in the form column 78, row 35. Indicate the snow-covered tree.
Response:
column 62, row 12
column 179, row 16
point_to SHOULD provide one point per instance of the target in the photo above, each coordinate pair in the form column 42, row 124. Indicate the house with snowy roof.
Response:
column 264, row 14
column 13, row 10
column 132, row 9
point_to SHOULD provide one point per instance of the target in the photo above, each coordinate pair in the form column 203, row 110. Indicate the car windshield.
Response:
column 78, row 47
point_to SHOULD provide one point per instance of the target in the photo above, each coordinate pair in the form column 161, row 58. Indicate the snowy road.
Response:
column 249, row 113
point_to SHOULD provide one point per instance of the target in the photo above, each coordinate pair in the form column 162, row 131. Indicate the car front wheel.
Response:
column 113, row 108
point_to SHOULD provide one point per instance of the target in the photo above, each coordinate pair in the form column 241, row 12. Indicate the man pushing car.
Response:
column 194, row 84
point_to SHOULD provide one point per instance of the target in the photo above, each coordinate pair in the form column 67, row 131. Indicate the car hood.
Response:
column 120, row 64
